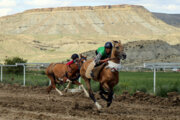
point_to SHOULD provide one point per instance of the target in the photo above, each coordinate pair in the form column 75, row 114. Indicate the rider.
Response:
column 103, row 53
column 75, row 58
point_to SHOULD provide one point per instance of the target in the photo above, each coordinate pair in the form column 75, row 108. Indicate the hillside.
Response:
column 171, row 19
column 53, row 34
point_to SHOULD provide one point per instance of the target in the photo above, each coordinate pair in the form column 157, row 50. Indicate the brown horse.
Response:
column 59, row 73
column 108, row 77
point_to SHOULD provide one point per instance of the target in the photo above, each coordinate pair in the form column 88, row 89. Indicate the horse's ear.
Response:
column 114, row 42
column 120, row 41
column 81, row 55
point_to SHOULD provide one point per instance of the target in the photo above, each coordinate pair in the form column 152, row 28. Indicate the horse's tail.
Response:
column 54, row 77
column 49, row 72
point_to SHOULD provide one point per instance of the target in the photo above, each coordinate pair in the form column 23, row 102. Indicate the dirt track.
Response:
column 31, row 103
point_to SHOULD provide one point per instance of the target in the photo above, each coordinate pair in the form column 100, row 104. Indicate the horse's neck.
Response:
column 114, row 58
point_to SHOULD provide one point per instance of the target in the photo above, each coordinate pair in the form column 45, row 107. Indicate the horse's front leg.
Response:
column 82, row 86
column 68, row 85
column 110, row 97
column 110, row 94
column 87, row 81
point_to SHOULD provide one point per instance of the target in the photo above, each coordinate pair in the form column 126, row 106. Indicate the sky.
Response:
column 8, row 7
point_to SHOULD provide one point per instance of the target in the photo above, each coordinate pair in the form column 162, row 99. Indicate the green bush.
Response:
column 164, row 89
column 13, row 61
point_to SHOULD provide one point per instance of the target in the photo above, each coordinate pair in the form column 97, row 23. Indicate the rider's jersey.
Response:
column 101, row 54
column 70, row 62
column 102, row 51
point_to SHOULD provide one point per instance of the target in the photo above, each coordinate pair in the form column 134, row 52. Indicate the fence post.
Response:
column 154, row 80
column 24, row 83
column 1, row 73
column 80, row 82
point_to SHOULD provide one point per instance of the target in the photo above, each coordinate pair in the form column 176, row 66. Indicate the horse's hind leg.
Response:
column 50, row 86
column 110, row 94
column 53, row 85
column 87, row 81
column 102, row 92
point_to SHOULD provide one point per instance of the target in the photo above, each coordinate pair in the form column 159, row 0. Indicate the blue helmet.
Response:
column 74, row 56
column 108, row 45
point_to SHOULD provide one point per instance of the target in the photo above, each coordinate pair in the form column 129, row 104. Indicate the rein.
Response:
column 114, row 59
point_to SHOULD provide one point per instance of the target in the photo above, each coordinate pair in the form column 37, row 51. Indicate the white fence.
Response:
column 25, row 65
column 156, row 66
column 152, row 66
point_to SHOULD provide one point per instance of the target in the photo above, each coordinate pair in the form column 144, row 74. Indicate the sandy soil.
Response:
column 32, row 103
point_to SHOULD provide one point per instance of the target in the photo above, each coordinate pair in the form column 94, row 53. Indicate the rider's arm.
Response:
column 98, row 58
column 105, row 60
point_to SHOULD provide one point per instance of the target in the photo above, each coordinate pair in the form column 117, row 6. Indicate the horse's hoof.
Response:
column 98, row 105
column 65, row 90
column 108, row 104
column 87, row 95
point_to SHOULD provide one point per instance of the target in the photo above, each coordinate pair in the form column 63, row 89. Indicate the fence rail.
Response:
column 36, row 65
column 152, row 66
column 155, row 66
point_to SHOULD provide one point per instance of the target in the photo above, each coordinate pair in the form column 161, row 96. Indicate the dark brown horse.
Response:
column 108, row 77
column 59, row 74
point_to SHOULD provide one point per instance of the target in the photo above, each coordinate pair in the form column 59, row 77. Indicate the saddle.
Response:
column 96, row 71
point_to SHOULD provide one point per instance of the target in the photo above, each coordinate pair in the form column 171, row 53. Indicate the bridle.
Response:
column 81, row 61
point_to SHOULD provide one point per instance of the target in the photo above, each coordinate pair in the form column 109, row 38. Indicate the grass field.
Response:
column 128, row 81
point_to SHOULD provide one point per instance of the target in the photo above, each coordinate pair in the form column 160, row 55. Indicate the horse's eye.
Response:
column 117, row 47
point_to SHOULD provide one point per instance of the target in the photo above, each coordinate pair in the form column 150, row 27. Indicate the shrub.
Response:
column 13, row 61
column 164, row 89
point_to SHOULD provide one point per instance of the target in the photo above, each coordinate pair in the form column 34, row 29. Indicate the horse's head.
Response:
column 118, row 50
column 82, row 59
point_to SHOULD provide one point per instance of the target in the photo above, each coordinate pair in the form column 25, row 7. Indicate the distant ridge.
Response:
column 73, row 8
column 171, row 19
column 53, row 34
